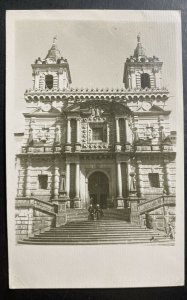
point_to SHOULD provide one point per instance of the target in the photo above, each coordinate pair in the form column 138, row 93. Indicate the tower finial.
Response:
column 54, row 39
column 138, row 37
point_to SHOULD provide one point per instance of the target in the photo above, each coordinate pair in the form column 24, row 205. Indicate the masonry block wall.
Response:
column 29, row 221
column 161, row 218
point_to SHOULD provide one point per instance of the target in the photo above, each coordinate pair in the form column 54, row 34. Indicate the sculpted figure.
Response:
column 57, row 136
column 30, row 140
column 62, row 183
column 136, row 135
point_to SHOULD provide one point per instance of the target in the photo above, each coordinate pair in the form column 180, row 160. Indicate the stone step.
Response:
column 99, row 242
column 98, row 232
column 111, row 214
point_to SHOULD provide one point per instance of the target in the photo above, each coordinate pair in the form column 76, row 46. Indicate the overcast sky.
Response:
column 96, row 52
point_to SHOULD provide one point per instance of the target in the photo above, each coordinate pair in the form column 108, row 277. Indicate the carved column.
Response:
column 68, row 142
column 117, row 131
column 28, row 179
column 68, row 182
column 78, row 144
column 118, row 146
column 140, row 182
column 129, row 81
column 128, row 135
column 78, row 131
column 56, row 180
column 120, row 201
column 77, row 185
column 68, row 132
column 36, row 80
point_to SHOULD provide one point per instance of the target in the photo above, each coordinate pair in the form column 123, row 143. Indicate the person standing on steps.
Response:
column 98, row 212
column 171, row 231
column 149, row 223
column 91, row 212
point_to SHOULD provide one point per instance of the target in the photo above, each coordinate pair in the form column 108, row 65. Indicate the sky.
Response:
column 96, row 52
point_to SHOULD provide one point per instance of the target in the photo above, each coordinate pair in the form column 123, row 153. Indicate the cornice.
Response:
column 95, row 93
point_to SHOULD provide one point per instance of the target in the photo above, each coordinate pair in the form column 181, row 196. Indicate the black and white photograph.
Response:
column 94, row 148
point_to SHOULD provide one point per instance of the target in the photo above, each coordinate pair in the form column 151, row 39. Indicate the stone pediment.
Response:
column 99, row 107
column 156, row 108
column 147, row 107
column 45, row 108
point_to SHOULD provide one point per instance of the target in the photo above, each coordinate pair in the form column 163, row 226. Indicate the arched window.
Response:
column 145, row 80
column 49, row 81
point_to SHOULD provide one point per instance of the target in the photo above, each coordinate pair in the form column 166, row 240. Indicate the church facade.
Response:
column 111, row 147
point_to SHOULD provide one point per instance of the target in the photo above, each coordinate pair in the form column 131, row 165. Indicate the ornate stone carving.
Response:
column 57, row 135
column 132, row 187
column 43, row 135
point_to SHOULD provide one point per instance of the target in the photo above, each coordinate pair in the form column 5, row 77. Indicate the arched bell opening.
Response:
column 145, row 81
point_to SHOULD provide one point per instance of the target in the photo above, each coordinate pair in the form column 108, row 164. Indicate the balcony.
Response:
column 41, row 149
column 154, row 148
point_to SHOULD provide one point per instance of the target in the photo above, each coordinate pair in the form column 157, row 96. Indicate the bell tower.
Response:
column 141, row 71
column 51, row 73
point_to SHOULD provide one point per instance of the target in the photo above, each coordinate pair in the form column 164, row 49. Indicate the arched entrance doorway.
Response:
column 98, row 188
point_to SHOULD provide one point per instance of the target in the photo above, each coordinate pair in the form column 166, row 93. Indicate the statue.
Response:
column 132, row 187
column 136, row 135
column 162, row 134
column 31, row 138
column 62, row 187
column 57, row 136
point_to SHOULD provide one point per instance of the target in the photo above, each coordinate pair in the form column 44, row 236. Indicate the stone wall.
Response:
column 167, row 176
column 30, row 221
column 161, row 217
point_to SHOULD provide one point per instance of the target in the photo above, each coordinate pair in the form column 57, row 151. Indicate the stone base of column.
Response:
column 134, row 213
column 127, row 147
column 120, row 202
column 68, row 148
column 77, row 147
column 77, row 203
column 68, row 203
column 117, row 147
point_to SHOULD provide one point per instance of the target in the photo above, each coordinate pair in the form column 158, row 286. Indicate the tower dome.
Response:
column 54, row 53
column 139, row 51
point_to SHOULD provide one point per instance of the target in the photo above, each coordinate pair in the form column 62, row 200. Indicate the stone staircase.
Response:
column 105, row 231
column 74, row 215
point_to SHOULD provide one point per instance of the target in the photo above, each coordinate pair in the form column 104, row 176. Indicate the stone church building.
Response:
column 111, row 147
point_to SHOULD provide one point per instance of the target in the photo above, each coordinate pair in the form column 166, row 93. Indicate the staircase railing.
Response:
column 155, row 203
column 46, row 208
column 41, row 205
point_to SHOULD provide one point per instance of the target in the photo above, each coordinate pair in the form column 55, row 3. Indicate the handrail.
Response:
column 36, row 203
column 155, row 203
column 33, row 198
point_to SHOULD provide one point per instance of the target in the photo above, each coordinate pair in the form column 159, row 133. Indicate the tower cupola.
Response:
column 52, row 72
column 142, row 71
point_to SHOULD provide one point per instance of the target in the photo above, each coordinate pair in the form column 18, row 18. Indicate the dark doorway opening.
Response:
column 98, row 188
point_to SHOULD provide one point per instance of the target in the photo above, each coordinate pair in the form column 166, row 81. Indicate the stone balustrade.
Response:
column 98, row 147
column 156, row 203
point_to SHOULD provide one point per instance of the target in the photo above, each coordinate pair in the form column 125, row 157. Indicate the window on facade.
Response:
column 154, row 180
column 49, row 81
column 145, row 81
column 97, row 134
column 42, row 181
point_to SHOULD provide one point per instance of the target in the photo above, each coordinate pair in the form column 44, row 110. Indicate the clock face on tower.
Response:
column 146, row 105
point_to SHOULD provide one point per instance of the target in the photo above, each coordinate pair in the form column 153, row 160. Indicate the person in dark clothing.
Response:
column 149, row 221
column 91, row 212
column 98, row 212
